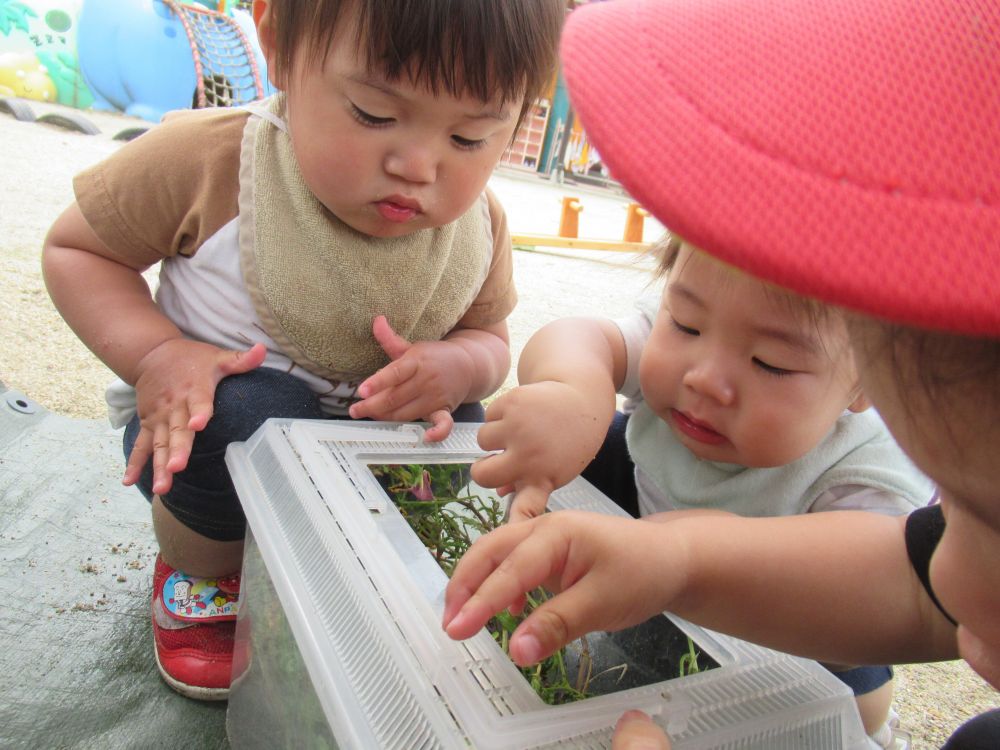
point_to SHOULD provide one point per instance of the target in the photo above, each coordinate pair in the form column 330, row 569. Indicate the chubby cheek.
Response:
column 770, row 433
column 759, row 451
column 659, row 380
column 322, row 171
column 457, row 188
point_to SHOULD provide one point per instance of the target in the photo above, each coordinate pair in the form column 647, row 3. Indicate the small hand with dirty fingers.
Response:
column 175, row 392
column 547, row 433
column 425, row 380
column 607, row 573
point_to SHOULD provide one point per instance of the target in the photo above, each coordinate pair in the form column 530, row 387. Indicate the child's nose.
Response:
column 412, row 162
column 709, row 378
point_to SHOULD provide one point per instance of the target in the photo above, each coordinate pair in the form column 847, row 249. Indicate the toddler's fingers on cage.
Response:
column 441, row 424
column 393, row 375
column 492, row 471
column 516, row 608
column 495, row 573
column 563, row 618
column 387, row 405
column 529, row 503
column 478, row 562
column 491, row 435
column 495, row 410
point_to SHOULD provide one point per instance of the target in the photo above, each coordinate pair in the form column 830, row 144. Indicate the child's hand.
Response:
column 425, row 380
column 612, row 572
column 548, row 432
column 175, row 392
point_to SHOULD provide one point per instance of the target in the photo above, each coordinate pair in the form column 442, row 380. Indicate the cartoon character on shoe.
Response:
column 194, row 625
column 201, row 599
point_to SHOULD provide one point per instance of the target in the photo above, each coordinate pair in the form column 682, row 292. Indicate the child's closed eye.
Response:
column 771, row 369
column 686, row 330
column 367, row 119
column 468, row 144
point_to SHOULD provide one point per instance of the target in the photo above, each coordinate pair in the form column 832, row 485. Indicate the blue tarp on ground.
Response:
column 76, row 561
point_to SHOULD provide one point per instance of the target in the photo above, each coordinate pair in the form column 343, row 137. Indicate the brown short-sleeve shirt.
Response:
column 167, row 192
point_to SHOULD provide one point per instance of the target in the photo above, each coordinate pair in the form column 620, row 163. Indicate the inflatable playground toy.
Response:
column 143, row 58
column 138, row 57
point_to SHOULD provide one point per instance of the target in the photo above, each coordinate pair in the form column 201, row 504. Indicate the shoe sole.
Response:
column 190, row 691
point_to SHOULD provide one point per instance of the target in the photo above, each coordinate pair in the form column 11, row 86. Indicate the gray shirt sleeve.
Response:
column 635, row 330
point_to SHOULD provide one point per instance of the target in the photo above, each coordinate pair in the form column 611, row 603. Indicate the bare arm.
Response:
column 833, row 586
column 108, row 305
column 587, row 353
column 106, row 302
column 837, row 587
column 550, row 427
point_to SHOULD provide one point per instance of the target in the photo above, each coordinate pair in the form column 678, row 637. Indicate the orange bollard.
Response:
column 633, row 222
column 569, row 220
column 257, row 9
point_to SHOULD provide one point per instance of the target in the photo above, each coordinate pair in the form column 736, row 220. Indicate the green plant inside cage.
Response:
column 448, row 512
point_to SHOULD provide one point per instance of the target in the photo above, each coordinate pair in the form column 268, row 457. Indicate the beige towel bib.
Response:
column 317, row 284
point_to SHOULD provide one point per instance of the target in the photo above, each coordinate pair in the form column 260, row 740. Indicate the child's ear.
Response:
column 860, row 403
column 263, row 18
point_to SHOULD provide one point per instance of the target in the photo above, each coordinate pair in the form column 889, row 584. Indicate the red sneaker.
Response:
column 194, row 621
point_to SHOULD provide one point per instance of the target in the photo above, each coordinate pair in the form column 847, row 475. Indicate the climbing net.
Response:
column 225, row 68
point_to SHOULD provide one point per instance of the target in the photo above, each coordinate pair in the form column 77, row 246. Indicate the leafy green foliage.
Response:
column 447, row 516
column 447, row 513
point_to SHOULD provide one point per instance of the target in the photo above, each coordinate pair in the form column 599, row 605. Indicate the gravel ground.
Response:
column 41, row 357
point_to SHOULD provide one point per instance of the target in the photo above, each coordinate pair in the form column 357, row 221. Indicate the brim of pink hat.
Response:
column 848, row 150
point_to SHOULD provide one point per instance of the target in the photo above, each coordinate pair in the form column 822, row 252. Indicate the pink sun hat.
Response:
column 846, row 149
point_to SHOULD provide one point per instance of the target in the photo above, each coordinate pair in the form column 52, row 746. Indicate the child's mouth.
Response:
column 397, row 210
column 696, row 430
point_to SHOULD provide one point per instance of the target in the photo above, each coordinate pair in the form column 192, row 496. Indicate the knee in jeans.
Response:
column 244, row 402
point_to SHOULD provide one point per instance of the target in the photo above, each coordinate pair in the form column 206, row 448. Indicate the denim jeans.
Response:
column 202, row 496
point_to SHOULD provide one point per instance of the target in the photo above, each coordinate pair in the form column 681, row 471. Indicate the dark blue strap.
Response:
column 924, row 528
